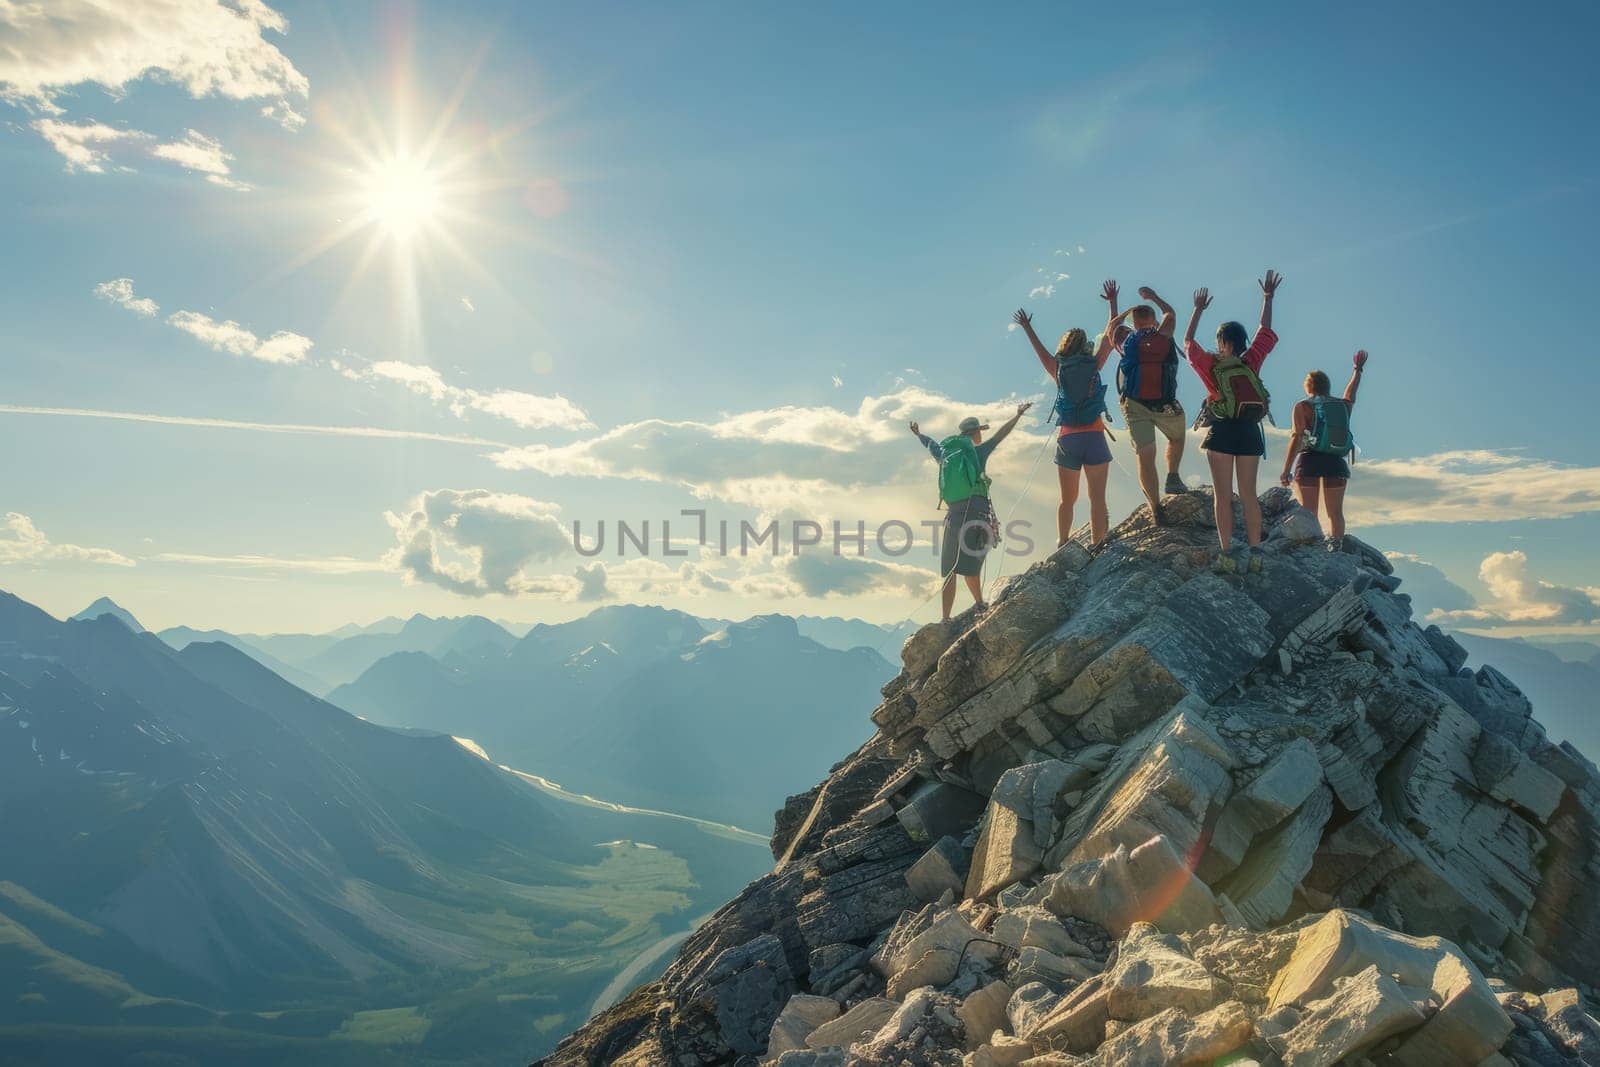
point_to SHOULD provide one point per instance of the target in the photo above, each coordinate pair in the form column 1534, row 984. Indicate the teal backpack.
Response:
column 960, row 474
column 1330, row 427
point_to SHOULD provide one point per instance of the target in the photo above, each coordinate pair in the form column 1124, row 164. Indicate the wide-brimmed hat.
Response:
column 971, row 423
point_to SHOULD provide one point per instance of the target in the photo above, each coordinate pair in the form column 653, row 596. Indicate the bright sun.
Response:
column 402, row 196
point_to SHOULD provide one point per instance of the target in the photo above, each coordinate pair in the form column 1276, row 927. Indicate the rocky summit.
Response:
column 1139, row 813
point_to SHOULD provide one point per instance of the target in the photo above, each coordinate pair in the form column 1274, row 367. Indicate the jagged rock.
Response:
column 1034, row 964
column 745, row 988
column 1150, row 884
column 799, row 1017
column 827, row 1057
column 942, row 868
column 1031, row 926
column 1564, row 1016
column 1029, row 1005
column 983, row 1012
column 859, row 1023
column 1175, row 1039
column 1279, row 790
column 1360, row 1011
column 939, row 809
column 1152, row 974
column 1156, row 743
column 1470, row 1023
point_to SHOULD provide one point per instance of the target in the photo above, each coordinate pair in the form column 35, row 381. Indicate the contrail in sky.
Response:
column 259, row 427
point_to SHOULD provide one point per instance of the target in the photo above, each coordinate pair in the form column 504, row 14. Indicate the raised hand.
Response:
column 1202, row 298
column 915, row 428
column 1022, row 409
column 1270, row 283
column 1022, row 318
column 1109, row 290
column 1361, row 359
column 1146, row 293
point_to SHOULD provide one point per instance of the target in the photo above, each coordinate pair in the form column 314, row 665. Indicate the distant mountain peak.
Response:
column 106, row 606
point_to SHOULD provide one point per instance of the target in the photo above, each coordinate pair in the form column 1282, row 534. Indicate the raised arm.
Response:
column 927, row 442
column 1355, row 377
column 1169, row 318
column 1202, row 300
column 1046, row 357
column 1108, row 293
column 1006, row 427
column 1269, row 286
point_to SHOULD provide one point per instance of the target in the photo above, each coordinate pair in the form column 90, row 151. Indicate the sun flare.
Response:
column 401, row 196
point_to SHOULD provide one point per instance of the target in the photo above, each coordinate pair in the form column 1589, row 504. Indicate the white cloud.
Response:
column 206, row 47
column 530, row 411
column 197, row 152
column 1469, row 486
column 92, row 147
column 23, row 542
column 1041, row 292
column 1523, row 599
column 466, row 304
column 1063, row 277
column 527, row 410
column 476, row 541
column 228, row 336
column 85, row 145
column 838, row 382
column 120, row 292
column 284, row 115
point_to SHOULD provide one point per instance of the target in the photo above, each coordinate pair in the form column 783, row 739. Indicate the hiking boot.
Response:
column 1335, row 544
column 1224, row 564
column 1256, row 559
column 1175, row 484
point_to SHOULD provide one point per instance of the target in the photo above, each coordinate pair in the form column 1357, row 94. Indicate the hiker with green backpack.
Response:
column 1080, row 411
column 1236, row 403
column 1320, row 445
column 969, row 522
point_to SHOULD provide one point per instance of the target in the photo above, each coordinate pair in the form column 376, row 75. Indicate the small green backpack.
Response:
column 960, row 474
column 1240, row 392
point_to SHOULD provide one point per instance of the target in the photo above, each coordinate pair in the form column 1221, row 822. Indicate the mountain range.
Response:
column 204, row 863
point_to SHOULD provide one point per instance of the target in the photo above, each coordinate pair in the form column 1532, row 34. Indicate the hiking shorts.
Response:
column 1086, row 448
column 1313, row 467
column 968, row 536
column 1235, row 437
column 1143, row 422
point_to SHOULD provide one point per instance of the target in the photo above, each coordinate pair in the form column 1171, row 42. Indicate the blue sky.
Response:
column 658, row 236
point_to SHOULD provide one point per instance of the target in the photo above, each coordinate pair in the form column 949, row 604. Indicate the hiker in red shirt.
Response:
column 1320, row 443
column 1236, row 402
column 1080, row 410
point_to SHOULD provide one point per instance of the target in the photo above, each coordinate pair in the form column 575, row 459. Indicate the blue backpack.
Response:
column 1080, row 394
column 1330, row 428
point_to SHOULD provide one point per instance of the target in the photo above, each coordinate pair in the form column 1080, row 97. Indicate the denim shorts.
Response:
column 1075, row 451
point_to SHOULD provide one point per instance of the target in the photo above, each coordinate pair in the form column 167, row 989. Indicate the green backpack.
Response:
column 1240, row 392
column 1330, row 427
column 960, row 474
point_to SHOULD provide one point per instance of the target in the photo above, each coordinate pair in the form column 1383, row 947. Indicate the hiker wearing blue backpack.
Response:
column 969, row 522
column 1147, row 382
column 1080, row 411
column 1236, row 402
column 1320, row 445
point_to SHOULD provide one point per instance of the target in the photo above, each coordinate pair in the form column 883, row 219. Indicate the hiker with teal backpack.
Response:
column 1080, row 411
column 1236, row 403
column 969, row 522
column 1321, row 444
